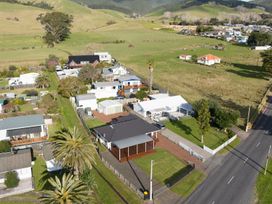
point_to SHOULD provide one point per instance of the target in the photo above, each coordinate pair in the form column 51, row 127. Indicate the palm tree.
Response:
column 68, row 190
column 73, row 149
column 42, row 82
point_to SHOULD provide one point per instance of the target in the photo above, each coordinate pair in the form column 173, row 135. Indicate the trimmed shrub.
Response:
column 11, row 179
column 31, row 92
column 5, row 146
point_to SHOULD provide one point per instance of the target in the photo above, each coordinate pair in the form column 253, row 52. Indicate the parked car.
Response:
column 160, row 125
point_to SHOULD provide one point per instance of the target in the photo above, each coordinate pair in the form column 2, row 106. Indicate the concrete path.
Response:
column 240, row 133
column 23, row 187
column 180, row 140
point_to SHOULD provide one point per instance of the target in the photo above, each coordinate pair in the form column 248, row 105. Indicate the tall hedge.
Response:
column 5, row 146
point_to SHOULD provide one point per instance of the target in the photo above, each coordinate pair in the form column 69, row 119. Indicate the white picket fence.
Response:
column 214, row 151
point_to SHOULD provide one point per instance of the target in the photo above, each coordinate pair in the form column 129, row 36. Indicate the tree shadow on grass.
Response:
column 176, row 177
column 188, row 130
column 250, row 71
column 47, row 175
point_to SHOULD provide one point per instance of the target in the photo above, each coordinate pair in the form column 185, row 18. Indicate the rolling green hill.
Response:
column 207, row 11
column 147, row 6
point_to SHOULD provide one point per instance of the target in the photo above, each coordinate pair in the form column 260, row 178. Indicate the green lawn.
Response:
column 39, row 169
column 230, row 147
column 166, row 166
column 189, row 129
column 26, row 198
column 188, row 184
column 92, row 123
column 264, row 186
column 26, row 107
column 3, row 82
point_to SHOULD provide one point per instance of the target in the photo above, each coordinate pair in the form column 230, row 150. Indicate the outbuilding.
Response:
column 86, row 101
column 109, row 107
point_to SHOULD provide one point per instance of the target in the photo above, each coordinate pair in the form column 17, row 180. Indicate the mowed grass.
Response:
column 188, row 184
column 189, row 129
column 26, row 198
column 93, row 123
column 264, row 186
column 39, row 169
column 165, row 165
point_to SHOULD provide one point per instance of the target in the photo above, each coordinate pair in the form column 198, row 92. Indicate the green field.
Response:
column 237, row 84
column 264, row 186
column 189, row 129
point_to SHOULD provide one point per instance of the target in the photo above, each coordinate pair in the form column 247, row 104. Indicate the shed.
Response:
column 86, row 101
column 109, row 107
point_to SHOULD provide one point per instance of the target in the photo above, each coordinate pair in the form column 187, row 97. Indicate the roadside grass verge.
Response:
column 264, row 186
column 230, row 147
column 189, row 129
column 189, row 183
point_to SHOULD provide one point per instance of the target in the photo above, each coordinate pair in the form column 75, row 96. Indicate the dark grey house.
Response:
column 127, row 137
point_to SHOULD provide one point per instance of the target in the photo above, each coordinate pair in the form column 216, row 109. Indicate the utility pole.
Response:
column 150, row 78
column 151, row 185
column 267, row 158
column 248, row 116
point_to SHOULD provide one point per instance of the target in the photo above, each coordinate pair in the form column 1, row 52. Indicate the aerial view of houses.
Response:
column 160, row 101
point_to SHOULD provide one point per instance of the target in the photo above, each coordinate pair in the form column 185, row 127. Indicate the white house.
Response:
column 108, row 107
column 112, row 73
column 185, row 57
column 62, row 74
column 23, row 130
column 157, row 107
column 209, row 60
column 24, row 79
column 104, row 57
column 130, row 84
column 105, row 89
column 19, row 161
column 50, row 161
column 86, row 101
column 262, row 48
column 158, row 96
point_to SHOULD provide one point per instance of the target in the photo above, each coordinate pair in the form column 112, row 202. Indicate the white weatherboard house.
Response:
column 112, row 73
column 105, row 89
column 110, row 107
column 157, row 107
column 130, row 84
column 86, row 101
column 50, row 161
column 24, row 79
column 19, row 161
column 104, row 56
column 23, row 130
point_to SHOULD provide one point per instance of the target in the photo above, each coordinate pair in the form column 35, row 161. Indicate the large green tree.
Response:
column 42, row 82
column 71, row 86
column 73, row 149
column 67, row 190
column 57, row 26
column 89, row 74
column 259, row 39
column 203, row 118
column 267, row 60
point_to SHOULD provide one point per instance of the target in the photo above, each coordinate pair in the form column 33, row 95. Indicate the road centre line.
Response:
column 230, row 179
column 258, row 144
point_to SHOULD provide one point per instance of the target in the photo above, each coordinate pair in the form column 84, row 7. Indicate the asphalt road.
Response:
column 234, row 181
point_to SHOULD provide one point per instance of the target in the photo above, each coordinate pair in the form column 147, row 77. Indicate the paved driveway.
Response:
column 23, row 187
